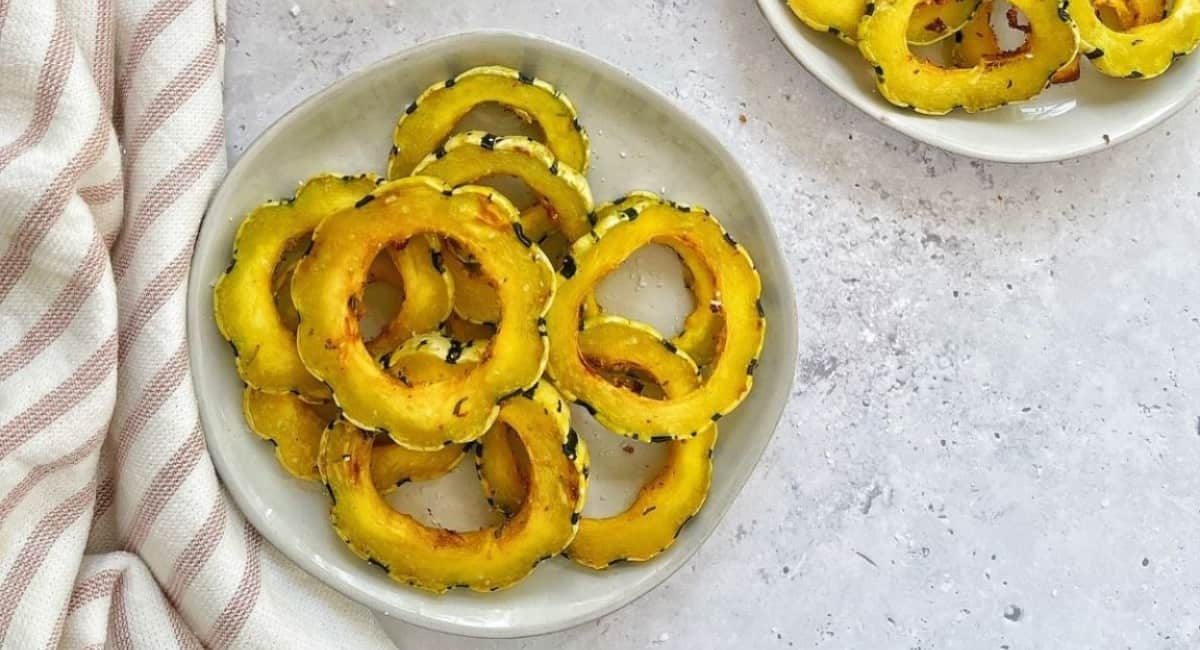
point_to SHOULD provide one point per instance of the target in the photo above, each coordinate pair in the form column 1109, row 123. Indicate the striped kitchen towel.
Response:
column 114, row 531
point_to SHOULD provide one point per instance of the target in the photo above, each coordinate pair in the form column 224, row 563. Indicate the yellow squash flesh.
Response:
column 429, row 120
column 978, row 43
column 1122, row 15
column 327, row 285
column 1142, row 52
column 295, row 427
column 439, row 559
column 472, row 156
column 736, row 282
column 666, row 502
column 243, row 298
column 428, row 294
column 702, row 332
column 909, row 80
column 932, row 21
column 475, row 299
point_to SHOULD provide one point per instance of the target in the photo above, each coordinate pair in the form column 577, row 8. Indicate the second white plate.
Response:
column 1064, row 122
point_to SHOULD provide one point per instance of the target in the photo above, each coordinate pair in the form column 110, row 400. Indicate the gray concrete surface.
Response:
column 993, row 441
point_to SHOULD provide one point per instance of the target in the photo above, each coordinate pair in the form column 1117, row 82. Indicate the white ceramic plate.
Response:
column 640, row 140
column 1064, row 122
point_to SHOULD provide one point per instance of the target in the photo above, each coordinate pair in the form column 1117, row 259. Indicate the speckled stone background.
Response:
column 994, row 438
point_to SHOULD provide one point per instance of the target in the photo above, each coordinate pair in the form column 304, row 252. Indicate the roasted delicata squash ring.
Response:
column 327, row 288
column 489, row 559
column 702, row 330
column 428, row 121
column 243, row 298
column 295, row 428
column 426, row 305
column 565, row 201
column 977, row 43
column 730, row 375
column 428, row 293
column 503, row 469
column 475, row 155
column 542, row 227
column 292, row 425
column 907, row 79
column 432, row 358
column 932, row 20
column 1141, row 52
column 652, row 523
column 475, row 299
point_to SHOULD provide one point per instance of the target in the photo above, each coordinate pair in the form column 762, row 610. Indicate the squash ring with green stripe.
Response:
column 565, row 201
column 932, row 21
column 295, row 427
column 428, row 292
column 327, row 286
column 1141, row 52
column 700, row 336
column 428, row 121
column 909, row 80
column 978, row 42
column 729, row 376
column 415, row 270
column 667, row 501
column 475, row 299
column 244, row 297
column 475, row 155
column 489, row 559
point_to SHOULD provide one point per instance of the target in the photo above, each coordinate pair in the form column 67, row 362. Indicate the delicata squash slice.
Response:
column 907, row 79
column 1144, row 51
column 243, row 298
column 475, row 299
column 702, row 330
column 565, row 201
column 327, row 288
column 838, row 17
column 665, row 503
column 932, row 20
column 252, row 301
column 488, row 559
column 294, row 427
column 459, row 328
column 474, row 155
column 503, row 469
column 541, row 226
column 737, row 287
column 428, row 292
column 428, row 121
column 415, row 270
column 431, row 358
column 977, row 43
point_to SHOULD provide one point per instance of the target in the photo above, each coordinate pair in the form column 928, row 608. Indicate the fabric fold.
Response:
column 114, row 530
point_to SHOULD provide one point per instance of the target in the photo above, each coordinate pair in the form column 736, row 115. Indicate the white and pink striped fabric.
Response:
column 114, row 531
